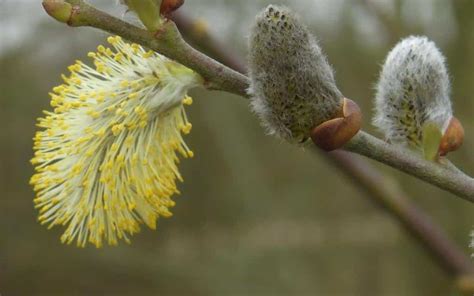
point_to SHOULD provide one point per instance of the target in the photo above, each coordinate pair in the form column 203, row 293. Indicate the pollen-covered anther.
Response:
column 336, row 132
column 188, row 100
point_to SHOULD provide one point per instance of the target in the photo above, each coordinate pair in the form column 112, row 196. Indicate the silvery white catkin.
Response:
column 413, row 89
column 292, row 85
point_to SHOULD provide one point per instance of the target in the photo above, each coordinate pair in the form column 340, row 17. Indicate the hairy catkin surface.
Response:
column 292, row 84
column 413, row 89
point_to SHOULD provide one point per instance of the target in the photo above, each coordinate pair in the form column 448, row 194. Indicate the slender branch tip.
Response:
column 58, row 9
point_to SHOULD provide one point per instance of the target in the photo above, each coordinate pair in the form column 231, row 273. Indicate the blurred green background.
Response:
column 257, row 216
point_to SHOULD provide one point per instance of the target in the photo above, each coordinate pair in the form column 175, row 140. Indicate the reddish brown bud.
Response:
column 168, row 6
column 334, row 133
column 453, row 137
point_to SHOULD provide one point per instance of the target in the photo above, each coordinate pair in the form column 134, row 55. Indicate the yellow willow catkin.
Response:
column 106, row 158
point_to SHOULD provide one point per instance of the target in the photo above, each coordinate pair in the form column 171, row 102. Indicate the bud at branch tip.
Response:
column 58, row 9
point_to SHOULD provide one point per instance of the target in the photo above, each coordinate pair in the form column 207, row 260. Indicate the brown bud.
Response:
column 334, row 133
column 453, row 137
column 168, row 6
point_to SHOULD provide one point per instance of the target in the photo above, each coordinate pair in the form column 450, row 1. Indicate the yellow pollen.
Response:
column 187, row 100
column 186, row 129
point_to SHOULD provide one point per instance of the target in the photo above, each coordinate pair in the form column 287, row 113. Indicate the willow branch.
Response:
column 443, row 176
column 168, row 41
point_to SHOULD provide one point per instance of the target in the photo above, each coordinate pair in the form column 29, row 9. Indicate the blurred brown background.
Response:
column 257, row 216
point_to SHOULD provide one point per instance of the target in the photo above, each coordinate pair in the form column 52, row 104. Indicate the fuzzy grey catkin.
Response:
column 413, row 89
column 292, row 85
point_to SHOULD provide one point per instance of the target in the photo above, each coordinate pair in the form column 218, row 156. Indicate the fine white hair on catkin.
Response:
column 292, row 84
column 413, row 89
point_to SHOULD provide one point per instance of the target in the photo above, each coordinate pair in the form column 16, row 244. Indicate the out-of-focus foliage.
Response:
column 256, row 216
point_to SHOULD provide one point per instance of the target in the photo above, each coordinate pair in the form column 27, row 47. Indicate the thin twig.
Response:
column 197, row 33
column 443, row 176
column 167, row 41
column 389, row 196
